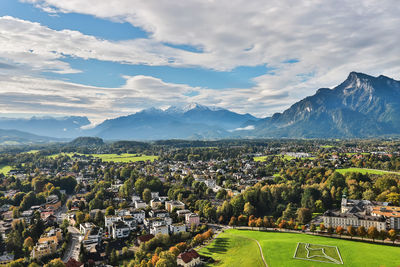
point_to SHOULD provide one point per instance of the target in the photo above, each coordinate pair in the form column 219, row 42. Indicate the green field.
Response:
column 113, row 157
column 261, row 158
column 365, row 171
column 327, row 146
column 4, row 169
column 233, row 248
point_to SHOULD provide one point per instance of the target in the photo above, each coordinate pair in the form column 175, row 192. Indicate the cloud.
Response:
column 45, row 96
column 327, row 39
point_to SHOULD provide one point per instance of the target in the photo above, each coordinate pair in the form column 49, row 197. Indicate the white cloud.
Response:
column 329, row 39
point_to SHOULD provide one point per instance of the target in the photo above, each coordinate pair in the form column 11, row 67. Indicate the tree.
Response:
column 373, row 232
column 55, row 263
column 322, row 227
column 339, row 230
column 304, row 215
column 361, row 231
column 28, row 243
column 248, row 209
column 80, row 217
column 110, row 211
column 351, row 231
column 113, row 257
column 289, row 212
column 313, row 227
column 233, row 221
column 392, row 235
column 174, row 250
column 383, row 234
column 330, row 230
column 146, row 195
column 259, row 222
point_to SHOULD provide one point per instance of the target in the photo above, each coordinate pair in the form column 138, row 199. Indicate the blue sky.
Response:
column 104, row 59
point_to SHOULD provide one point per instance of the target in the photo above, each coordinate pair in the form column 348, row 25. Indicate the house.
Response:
column 182, row 213
column 177, row 228
column 139, row 204
column 155, row 194
column 159, row 229
column 92, row 234
column 138, row 215
column 47, row 244
column 120, row 230
column 390, row 213
column 171, row 205
column 6, row 259
column 159, row 213
column 155, row 203
column 192, row 219
column 188, row 259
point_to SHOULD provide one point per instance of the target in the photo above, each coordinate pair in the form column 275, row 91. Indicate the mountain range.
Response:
column 362, row 106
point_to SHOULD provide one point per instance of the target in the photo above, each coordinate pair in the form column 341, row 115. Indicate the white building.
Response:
column 120, row 230
column 159, row 229
column 139, row 204
column 177, row 228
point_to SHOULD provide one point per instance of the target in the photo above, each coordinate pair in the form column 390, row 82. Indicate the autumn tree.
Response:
column 361, row 231
column 351, row 231
column 373, row 232
column 392, row 235
column 339, row 230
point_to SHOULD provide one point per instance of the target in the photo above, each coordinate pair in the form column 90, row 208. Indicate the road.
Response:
column 73, row 248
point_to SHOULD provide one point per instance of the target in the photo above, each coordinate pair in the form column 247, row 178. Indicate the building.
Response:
column 138, row 215
column 159, row 213
column 120, row 230
column 177, row 228
column 188, row 259
column 92, row 234
column 139, row 204
column 173, row 204
column 334, row 219
column 156, row 203
column 144, row 238
column 192, row 219
column 182, row 213
column 47, row 244
column 363, row 213
column 391, row 213
column 159, row 229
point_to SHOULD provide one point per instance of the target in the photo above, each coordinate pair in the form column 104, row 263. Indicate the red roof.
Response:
column 145, row 238
column 73, row 263
column 189, row 256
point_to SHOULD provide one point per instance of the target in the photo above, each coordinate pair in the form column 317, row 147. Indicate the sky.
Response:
column 104, row 59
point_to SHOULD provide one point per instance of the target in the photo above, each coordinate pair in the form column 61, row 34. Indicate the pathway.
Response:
column 259, row 246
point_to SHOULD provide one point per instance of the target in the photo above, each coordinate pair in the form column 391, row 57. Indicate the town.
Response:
column 162, row 204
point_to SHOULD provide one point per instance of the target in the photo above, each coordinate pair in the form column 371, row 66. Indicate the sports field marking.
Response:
column 320, row 253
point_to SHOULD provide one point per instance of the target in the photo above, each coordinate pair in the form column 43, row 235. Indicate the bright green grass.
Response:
column 124, row 157
column 261, row 158
column 33, row 151
column 365, row 171
column 327, row 146
column 352, row 154
column 279, row 249
column 5, row 169
column 232, row 250
column 113, row 157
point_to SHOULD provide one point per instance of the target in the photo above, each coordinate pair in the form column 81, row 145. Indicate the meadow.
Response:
column 4, row 169
column 125, row 157
column 365, row 171
column 234, row 248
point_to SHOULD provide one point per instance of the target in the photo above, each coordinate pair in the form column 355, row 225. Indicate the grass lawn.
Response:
column 232, row 250
column 279, row 249
column 327, row 146
column 261, row 158
column 124, row 157
column 113, row 157
column 365, row 171
column 352, row 154
column 4, row 169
